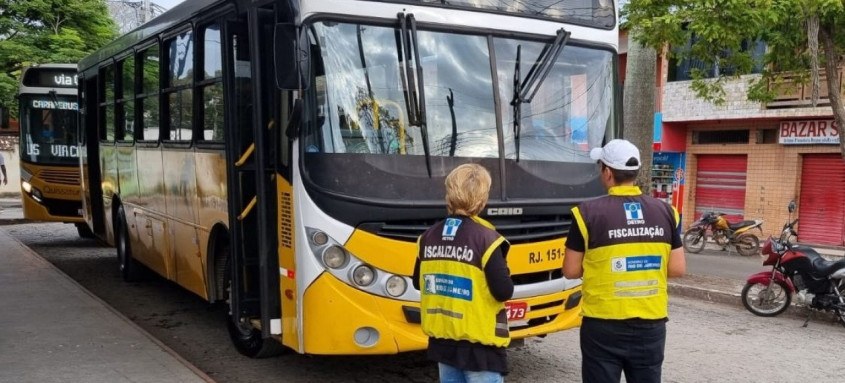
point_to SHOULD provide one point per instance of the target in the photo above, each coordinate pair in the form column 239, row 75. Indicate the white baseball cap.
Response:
column 616, row 154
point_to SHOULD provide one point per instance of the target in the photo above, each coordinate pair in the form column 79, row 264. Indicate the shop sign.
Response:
column 809, row 132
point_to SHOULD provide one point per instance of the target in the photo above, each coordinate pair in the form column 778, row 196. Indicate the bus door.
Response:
column 251, row 193
column 92, row 201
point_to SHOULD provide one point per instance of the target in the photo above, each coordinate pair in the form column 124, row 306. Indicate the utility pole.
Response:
column 146, row 11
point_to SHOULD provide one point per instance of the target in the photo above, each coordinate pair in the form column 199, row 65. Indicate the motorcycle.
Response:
column 723, row 233
column 796, row 270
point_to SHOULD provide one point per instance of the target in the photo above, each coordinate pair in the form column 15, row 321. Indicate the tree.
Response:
column 716, row 32
column 638, row 118
column 42, row 31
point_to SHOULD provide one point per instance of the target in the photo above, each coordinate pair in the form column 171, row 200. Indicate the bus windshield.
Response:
column 362, row 92
column 48, row 129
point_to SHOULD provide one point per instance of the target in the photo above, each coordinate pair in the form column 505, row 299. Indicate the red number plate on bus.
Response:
column 516, row 310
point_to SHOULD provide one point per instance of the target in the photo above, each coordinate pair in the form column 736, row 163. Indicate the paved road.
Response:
column 721, row 264
column 706, row 343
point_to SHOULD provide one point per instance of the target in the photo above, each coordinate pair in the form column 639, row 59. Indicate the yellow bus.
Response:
column 283, row 156
column 49, row 113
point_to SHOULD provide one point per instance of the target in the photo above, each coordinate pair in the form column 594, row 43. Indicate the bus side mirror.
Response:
column 791, row 206
column 291, row 57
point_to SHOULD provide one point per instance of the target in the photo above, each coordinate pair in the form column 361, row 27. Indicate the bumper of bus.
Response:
column 34, row 210
column 339, row 319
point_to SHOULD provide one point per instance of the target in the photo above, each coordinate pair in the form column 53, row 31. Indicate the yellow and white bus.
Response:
column 283, row 156
column 49, row 114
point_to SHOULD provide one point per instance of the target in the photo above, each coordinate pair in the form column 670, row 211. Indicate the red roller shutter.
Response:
column 821, row 206
column 720, row 185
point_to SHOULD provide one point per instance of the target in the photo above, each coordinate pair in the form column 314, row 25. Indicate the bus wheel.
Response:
column 130, row 269
column 247, row 339
column 83, row 230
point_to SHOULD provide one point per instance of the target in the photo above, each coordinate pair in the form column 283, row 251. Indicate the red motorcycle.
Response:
column 796, row 270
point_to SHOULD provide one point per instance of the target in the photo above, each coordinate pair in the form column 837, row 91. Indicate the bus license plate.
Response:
column 516, row 310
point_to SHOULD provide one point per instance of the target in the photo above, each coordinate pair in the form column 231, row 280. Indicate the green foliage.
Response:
column 43, row 31
column 718, row 28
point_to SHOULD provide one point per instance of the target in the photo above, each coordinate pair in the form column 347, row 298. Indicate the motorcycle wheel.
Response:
column 694, row 240
column 840, row 316
column 721, row 238
column 766, row 301
column 748, row 245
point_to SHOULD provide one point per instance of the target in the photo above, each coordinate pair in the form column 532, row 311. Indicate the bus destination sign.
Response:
column 50, row 104
column 50, row 78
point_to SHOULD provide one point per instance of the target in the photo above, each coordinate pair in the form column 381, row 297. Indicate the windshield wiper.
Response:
column 413, row 83
column 49, row 113
column 524, row 92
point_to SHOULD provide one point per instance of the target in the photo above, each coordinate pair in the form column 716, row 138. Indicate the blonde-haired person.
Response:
column 464, row 281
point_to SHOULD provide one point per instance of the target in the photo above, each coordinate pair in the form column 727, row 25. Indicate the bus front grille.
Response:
column 62, row 208
column 516, row 230
column 65, row 177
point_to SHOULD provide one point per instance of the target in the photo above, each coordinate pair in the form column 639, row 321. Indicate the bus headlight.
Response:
column 395, row 286
column 36, row 195
column 334, row 257
column 319, row 238
column 27, row 187
column 25, row 175
column 363, row 275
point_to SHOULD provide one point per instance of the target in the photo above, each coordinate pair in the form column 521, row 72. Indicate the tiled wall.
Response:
column 681, row 104
column 773, row 173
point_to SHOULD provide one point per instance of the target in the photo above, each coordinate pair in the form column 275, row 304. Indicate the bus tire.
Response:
column 130, row 269
column 246, row 339
column 83, row 230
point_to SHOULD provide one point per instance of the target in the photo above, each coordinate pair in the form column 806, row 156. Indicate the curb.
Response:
column 709, row 295
column 13, row 221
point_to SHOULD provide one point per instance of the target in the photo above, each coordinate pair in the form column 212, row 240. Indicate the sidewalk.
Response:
column 52, row 330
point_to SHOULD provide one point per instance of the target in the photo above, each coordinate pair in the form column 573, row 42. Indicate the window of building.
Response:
column 682, row 70
column 720, row 136
column 767, row 136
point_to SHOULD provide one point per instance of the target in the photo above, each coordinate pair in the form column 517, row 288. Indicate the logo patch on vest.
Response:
column 634, row 213
column 448, row 286
column 450, row 228
column 638, row 263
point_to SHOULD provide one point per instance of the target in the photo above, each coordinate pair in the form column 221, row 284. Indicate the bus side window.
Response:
column 211, row 85
column 126, row 100
column 148, row 94
column 178, row 91
column 106, row 119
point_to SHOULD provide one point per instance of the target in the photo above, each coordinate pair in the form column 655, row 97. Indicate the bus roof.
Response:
column 171, row 18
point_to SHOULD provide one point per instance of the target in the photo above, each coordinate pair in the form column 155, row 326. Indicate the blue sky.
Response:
column 166, row 3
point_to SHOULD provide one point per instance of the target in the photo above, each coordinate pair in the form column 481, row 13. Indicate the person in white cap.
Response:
column 624, row 245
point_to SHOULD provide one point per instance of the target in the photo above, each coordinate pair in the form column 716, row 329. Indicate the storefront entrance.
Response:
column 821, row 206
column 720, row 185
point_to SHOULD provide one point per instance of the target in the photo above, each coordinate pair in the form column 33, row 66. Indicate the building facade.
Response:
column 749, row 159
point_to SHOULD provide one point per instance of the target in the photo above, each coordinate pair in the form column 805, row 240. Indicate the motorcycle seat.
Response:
column 741, row 224
column 824, row 268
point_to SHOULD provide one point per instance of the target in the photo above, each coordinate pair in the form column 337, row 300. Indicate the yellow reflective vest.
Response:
column 628, row 238
column 456, row 302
